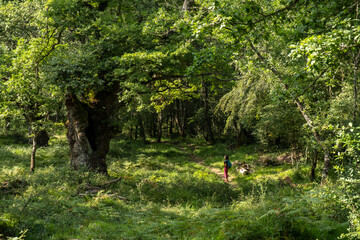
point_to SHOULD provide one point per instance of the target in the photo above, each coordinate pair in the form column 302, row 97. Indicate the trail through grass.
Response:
column 199, row 160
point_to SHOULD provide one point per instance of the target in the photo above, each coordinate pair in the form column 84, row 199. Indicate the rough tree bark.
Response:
column 90, row 129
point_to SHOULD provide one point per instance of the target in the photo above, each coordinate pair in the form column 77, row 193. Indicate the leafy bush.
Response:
column 348, row 153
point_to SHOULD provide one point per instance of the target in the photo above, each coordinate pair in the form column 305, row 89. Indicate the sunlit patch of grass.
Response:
column 214, row 155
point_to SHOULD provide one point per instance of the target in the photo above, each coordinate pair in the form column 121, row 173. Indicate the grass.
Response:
column 162, row 195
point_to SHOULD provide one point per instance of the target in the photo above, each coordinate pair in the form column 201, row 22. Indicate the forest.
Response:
column 116, row 115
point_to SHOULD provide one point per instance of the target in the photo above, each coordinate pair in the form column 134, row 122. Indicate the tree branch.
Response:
column 187, row 76
column 313, row 83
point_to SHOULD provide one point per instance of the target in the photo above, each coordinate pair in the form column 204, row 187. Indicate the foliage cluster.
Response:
column 347, row 151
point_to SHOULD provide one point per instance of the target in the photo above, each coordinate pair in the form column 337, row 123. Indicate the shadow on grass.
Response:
column 187, row 192
column 131, row 149
column 14, row 164
column 13, row 139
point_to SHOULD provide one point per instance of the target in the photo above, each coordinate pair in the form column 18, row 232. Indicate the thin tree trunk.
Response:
column 313, row 166
column 183, row 118
column 171, row 124
column 177, row 116
column 154, row 125
column 209, row 137
column 159, row 133
column 6, row 125
column 136, row 131
column 33, row 153
column 141, row 128
column 326, row 167
column 180, row 118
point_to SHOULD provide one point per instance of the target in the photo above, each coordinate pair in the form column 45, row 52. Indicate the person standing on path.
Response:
column 226, row 167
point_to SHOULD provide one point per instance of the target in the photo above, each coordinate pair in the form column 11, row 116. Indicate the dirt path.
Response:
column 200, row 161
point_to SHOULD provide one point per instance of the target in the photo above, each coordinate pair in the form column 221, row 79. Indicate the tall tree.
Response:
column 26, row 42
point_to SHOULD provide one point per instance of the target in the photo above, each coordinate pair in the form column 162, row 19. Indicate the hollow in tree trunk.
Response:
column 90, row 129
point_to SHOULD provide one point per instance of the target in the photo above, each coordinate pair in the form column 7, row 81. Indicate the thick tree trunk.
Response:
column 90, row 130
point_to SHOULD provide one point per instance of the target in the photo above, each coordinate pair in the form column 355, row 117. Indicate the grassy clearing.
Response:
column 162, row 195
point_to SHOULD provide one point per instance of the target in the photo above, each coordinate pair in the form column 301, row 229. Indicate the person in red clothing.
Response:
column 226, row 167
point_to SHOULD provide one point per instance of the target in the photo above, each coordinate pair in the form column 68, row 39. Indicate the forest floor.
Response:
column 170, row 190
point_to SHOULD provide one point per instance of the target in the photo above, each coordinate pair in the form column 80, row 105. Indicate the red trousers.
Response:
column 226, row 172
